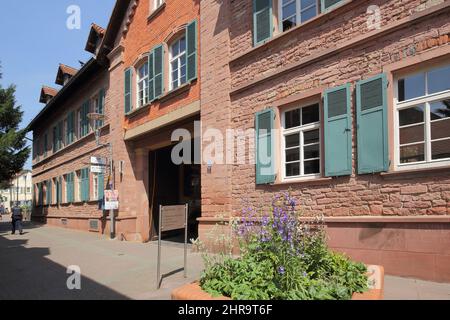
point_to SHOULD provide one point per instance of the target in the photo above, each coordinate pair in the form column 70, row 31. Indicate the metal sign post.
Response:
column 172, row 218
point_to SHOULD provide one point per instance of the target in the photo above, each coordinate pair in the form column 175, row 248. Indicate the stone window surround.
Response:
column 425, row 66
column 283, row 133
column 167, row 94
column 435, row 57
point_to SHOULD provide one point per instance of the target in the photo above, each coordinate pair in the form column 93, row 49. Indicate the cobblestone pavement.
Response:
column 34, row 266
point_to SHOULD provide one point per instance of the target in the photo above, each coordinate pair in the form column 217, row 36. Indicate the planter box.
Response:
column 193, row 291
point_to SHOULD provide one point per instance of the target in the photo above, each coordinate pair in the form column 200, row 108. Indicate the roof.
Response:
column 92, row 66
column 64, row 70
column 95, row 36
column 47, row 91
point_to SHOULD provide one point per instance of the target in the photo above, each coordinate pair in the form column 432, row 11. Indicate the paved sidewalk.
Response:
column 34, row 266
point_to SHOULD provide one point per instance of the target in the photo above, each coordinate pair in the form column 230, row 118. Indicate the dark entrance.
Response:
column 174, row 185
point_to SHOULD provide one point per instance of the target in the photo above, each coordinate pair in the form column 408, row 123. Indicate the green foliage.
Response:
column 283, row 259
column 13, row 149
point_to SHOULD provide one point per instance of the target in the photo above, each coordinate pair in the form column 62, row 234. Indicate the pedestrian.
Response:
column 16, row 219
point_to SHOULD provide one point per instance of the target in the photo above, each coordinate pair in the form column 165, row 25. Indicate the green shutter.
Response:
column 327, row 5
column 101, row 186
column 45, row 145
column 72, row 127
column 85, row 118
column 371, row 101
column 55, row 139
column 128, row 91
column 41, row 195
column 60, row 190
column 101, row 107
column 60, row 134
column 262, row 21
column 265, row 141
column 338, row 131
column 158, row 71
column 69, row 188
column 49, row 192
column 191, row 51
column 151, row 77
column 85, row 185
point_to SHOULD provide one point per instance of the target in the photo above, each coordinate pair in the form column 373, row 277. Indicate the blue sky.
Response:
column 34, row 39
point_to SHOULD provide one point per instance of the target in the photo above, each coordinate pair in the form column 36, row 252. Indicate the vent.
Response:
column 93, row 225
column 64, row 222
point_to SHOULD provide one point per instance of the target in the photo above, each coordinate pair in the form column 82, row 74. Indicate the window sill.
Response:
column 165, row 97
column 175, row 92
column 414, row 172
column 319, row 19
column 311, row 181
column 156, row 12
column 136, row 112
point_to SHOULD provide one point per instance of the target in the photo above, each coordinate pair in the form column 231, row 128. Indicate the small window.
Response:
column 157, row 4
column 79, row 187
column 296, row 12
column 301, row 142
column 142, row 84
column 95, row 187
column 177, row 63
column 423, row 118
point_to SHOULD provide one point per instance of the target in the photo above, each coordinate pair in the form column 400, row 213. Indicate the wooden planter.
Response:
column 193, row 291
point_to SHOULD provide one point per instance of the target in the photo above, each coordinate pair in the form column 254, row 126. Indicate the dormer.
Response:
column 47, row 94
column 95, row 38
column 65, row 73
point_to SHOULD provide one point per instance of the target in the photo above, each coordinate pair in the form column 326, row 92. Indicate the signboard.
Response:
column 172, row 218
column 98, row 165
column 111, row 200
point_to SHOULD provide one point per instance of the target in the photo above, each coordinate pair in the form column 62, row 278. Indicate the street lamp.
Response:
column 95, row 117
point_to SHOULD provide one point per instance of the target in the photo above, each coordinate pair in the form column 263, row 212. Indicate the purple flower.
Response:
column 281, row 270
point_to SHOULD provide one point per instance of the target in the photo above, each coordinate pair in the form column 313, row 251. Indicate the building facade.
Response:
column 350, row 102
column 21, row 190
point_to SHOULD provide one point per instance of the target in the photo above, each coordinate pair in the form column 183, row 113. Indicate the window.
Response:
column 45, row 145
column 301, row 142
column 80, row 122
column 296, row 12
column 157, row 4
column 99, row 108
column 423, row 118
column 177, row 63
column 95, row 181
column 37, row 150
column 79, row 187
column 55, row 139
column 142, row 84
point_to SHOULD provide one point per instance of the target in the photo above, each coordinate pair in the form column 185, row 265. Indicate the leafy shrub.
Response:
column 282, row 258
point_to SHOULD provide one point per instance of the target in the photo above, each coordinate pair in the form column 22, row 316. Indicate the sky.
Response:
column 34, row 39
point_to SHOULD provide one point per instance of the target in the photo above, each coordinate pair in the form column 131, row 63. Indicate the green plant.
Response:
column 282, row 258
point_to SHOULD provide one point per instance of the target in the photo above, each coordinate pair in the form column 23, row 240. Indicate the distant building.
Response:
column 20, row 190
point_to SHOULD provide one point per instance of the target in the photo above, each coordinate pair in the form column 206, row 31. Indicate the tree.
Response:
column 14, row 151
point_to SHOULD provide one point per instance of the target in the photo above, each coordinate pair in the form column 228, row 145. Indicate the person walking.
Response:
column 16, row 219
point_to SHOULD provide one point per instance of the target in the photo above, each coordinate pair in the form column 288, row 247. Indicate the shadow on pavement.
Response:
column 27, row 273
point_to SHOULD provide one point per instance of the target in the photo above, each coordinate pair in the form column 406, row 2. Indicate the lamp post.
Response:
column 100, row 117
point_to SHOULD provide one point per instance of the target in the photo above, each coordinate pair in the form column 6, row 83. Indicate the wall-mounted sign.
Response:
column 98, row 165
column 111, row 200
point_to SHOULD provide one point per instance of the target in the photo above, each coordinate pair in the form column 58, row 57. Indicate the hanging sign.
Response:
column 98, row 165
column 111, row 200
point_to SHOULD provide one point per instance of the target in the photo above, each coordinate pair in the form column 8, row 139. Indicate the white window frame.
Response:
column 144, row 80
column 300, row 130
column 156, row 4
column 298, row 13
column 78, row 185
column 95, row 187
column 426, row 102
column 177, row 57
column 79, row 123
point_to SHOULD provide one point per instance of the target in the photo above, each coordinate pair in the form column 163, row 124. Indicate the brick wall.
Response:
column 329, row 51
column 143, row 34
